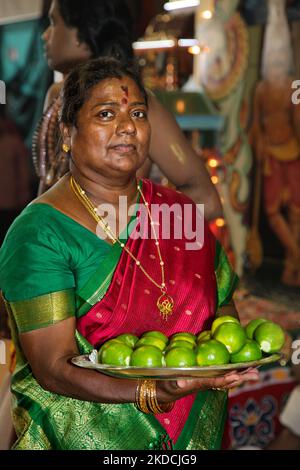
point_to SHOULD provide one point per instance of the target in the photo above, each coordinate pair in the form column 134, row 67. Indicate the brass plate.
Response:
column 169, row 373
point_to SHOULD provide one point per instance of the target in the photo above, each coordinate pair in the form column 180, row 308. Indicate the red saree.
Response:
column 129, row 304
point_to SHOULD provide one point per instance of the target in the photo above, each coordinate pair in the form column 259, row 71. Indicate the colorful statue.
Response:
column 220, row 70
column 275, row 136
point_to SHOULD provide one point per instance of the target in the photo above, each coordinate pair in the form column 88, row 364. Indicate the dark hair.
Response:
column 84, row 77
column 104, row 25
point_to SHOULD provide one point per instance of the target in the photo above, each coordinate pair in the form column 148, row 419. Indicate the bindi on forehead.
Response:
column 125, row 98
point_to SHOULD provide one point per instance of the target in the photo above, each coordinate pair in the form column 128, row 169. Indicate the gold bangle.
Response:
column 153, row 405
column 141, row 401
column 159, row 408
column 146, row 401
column 141, row 397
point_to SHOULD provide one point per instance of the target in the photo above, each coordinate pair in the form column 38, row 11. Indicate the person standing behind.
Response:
column 82, row 30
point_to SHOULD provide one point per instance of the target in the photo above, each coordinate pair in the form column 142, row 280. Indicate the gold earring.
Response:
column 66, row 148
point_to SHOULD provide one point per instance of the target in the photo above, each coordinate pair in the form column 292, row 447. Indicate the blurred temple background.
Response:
column 209, row 62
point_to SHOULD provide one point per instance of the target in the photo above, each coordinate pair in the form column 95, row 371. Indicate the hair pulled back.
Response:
column 104, row 25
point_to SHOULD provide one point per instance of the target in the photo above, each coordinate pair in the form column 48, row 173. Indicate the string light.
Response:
column 186, row 42
column 195, row 50
column 213, row 163
column 180, row 106
column 179, row 4
column 158, row 44
column 207, row 14
column 220, row 222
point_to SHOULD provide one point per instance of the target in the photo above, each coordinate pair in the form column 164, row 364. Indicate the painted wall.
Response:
column 17, row 10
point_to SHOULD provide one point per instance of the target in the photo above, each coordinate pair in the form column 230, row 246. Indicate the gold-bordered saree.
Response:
column 116, row 299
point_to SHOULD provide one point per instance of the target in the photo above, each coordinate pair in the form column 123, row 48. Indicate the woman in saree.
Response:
column 71, row 282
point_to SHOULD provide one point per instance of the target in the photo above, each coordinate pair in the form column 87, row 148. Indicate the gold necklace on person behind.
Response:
column 165, row 303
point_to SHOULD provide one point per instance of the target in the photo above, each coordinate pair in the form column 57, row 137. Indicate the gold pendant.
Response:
column 165, row 305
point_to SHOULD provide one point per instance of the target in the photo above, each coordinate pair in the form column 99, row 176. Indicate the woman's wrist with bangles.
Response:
column 146, row 398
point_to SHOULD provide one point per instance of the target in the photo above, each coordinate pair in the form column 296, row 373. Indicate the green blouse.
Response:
column 43, row 252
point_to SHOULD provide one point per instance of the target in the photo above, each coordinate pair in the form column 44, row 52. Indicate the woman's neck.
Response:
column 100, row 190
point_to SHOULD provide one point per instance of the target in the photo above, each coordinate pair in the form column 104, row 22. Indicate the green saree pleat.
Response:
column 94, row 290
column 227, row 279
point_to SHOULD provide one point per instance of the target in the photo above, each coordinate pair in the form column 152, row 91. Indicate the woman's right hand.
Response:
column 173, row 390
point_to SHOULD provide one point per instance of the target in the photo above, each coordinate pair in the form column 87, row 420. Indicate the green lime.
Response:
column 128, row 339
column 211, row 352
column 116, row 354
column 146, row 356
column 232, row 335
column 184, row 336
column 180, row 357
column 270, row 337
column 106, row 345
column 203, row 336
column 220, row 320
column 177, row 343
column 156, row 334
column 249, row 352
column 252, row 325
column 150, row 341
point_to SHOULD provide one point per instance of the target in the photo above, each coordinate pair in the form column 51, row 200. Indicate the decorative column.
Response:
column 220, row 69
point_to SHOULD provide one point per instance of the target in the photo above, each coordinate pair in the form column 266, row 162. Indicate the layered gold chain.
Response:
column 81, row 195
column 165, row 303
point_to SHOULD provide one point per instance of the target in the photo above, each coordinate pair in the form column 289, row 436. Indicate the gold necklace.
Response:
column 165, row 303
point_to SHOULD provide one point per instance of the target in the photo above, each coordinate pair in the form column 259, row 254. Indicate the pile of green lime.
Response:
column 227, row 341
